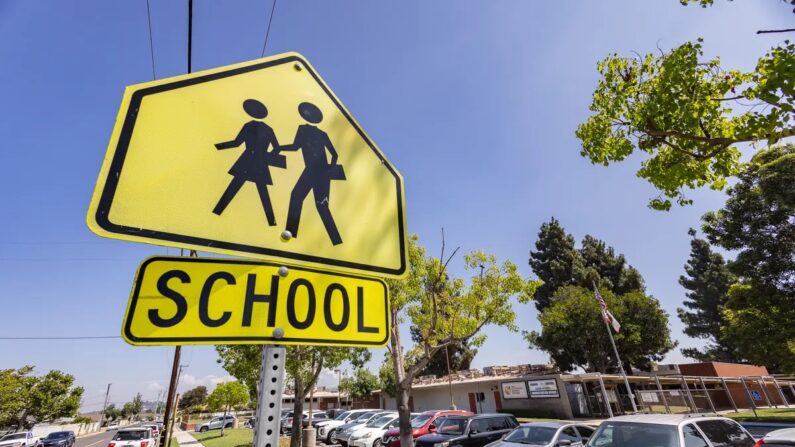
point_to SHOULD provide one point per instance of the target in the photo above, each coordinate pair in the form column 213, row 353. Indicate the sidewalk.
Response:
column 184, row 438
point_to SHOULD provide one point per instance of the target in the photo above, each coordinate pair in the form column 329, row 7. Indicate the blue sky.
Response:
column 475, row 102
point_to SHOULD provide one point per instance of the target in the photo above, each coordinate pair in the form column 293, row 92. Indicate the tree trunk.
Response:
column 406, row 439
column 298, row 412
column 223, row 421
column 21, row 421
column 403, row 386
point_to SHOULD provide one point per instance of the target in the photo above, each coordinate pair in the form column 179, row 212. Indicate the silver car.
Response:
column 547, row 434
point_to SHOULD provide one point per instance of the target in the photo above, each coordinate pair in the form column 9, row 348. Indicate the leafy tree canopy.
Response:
column 557, row 263
column 193, row 398
column 687, row 114
column 574, row 333
column 361, row 385
column 26, row 398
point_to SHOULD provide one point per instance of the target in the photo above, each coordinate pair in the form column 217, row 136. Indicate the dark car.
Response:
column 59, row 439
column 422, row 424
column 468, row 431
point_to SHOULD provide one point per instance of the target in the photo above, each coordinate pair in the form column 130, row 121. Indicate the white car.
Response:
column 112, row 426
column 133, row 437
column 370, row 434
column 325, row 430
column 670, row 430
column 778, row 438
column 22, row 439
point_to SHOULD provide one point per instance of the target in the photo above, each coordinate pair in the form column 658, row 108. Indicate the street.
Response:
column 95, row 440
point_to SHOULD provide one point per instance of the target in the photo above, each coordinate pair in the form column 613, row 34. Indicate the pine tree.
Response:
column 553, row 261
column 708, row 280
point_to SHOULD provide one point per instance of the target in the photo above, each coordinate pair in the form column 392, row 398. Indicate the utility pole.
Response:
column 172, row 390
column 104, row 406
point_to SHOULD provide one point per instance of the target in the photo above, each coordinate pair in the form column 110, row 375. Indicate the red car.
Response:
column 421, row 425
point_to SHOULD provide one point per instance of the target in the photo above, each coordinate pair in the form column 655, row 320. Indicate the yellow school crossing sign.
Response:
column 184, row 300
column 257, row 159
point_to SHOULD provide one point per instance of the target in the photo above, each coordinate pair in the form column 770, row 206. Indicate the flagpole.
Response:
column 618, row 359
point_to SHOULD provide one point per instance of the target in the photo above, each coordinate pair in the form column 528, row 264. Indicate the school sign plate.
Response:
column 227, row 160
column 179, row 300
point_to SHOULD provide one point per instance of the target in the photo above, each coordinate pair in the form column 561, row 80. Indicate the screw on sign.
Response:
column 230, row 160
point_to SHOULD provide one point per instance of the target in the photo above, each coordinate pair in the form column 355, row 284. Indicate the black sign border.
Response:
column 111, row 181
column 127, row 328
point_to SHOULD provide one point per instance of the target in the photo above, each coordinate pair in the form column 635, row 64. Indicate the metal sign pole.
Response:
column 269, row 396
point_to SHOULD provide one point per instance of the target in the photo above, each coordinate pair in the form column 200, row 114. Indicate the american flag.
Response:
column 608, row 317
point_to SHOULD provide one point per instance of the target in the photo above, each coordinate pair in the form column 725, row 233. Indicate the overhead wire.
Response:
column 268, row 32
column 151, row 44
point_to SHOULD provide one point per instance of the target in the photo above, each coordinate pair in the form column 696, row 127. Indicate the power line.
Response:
column 151, row 45
column 268, row 32
column 89, row 337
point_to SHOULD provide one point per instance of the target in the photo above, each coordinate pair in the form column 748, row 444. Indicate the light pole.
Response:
column 339, row 382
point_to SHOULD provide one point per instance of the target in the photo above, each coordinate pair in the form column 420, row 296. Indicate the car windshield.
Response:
column 131, row 435
column 420, row 420
column 58, row 435
column 342, row 416
column 622, row 434
column 365, row 416
column 452, row 426
column 380, row 421
column 533, row 435
column 14, row 436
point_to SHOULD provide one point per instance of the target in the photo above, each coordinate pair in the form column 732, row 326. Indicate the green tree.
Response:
column 127, row 411
column 573, row 332
column 227, row 396
column 112, row 413
column 553, row 261
column 687, row 114
column 558, row 263
column 303, row 365
column 361, row 385
column 26, row 398
column 447, row 311
column 386, row 376
column 460, row 356
column 193, row 398
column 758, row 223
column 707, row 280
column 133, row 408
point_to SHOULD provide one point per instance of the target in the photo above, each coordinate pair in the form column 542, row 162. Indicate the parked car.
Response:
column 112, row 426
column 155, row 429
column 326, row 429
column 133, row 437
column 343, row 432
column 22, row 439
column 778, row 438
column 317, row 417
column 216, row 423
column 59, row 439
column 468, row 431
column 422, row 424
column 332, row 413
column 547, row 434
column 286, row 423
column 370, row 435
column 670, row 430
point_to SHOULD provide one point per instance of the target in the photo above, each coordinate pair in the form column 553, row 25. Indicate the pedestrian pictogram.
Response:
column 178, row 300
column 232, row 159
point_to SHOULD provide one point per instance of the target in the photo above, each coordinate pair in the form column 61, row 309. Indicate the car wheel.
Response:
column 229, row 425
column 328, row 437
column 377, row 443
column 203, row 429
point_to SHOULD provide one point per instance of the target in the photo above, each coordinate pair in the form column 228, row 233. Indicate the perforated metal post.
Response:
column 269, row 398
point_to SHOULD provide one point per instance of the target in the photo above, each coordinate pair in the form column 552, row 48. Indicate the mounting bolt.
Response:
column 297, row 66
column 286, row 235
column 278, row 333
column 283, row 271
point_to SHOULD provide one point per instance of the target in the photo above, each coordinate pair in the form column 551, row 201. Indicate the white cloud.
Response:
column 188, row 381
